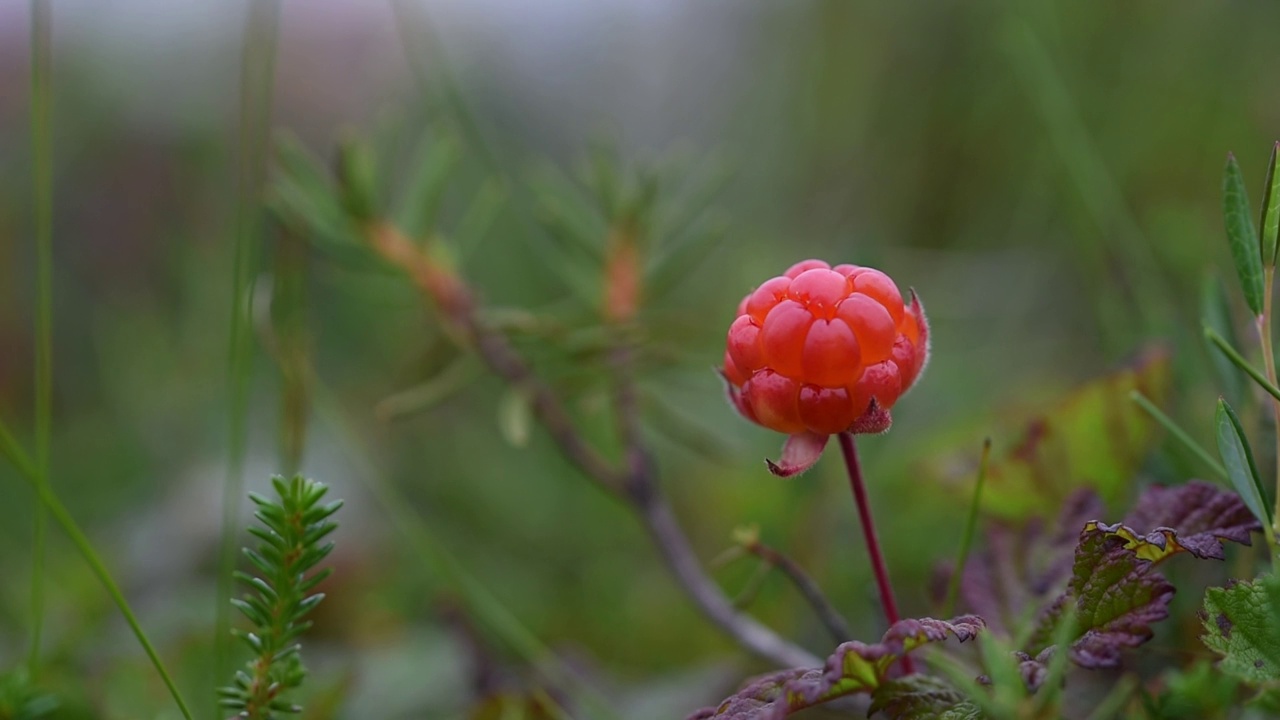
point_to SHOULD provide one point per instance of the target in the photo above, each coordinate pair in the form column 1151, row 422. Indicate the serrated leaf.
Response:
column 1270, row 216
column 922, row 697
column 1194, row 517
column 1241, row 235
column 1114, row 594
column 1242, row 624
column 1237, row 457
column 1116, row 599
column 854, row 668
column 1095, row 437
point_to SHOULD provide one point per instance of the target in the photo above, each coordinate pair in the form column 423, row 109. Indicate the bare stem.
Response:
column 1269, row 365
column 822, row 607
column 635, row 482
column 680, row 557
column 869, row 535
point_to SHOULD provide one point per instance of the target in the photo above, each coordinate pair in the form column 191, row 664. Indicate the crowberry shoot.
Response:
column 819, row 351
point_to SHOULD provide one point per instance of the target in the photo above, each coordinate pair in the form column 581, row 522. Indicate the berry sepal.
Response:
column 799, row 453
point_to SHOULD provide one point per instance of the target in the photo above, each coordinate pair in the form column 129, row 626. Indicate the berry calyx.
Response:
column 824, row 350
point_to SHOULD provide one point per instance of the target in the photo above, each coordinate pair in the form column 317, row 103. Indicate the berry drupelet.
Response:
column 822, row 350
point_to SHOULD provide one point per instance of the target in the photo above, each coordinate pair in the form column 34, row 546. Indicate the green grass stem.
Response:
column 970, row 527
column 1236, row 358
column 257, row 84
column 42, row 178
column 27, row 468
column 1196, row 449
column 441, row 563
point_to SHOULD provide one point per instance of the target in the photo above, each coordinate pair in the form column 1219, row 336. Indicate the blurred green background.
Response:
column 1045, row 175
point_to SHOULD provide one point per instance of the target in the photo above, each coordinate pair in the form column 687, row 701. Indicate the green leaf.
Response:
column 357, row 179
column 1172, row 427
column 1233, row 446
column 1270, row 218
column 424, row 189
column 1242, row 624
column 1200, row 692
column 1238, row 360
column 921, row 697
column 1095, row 437
column 1241, row 235
column 1215, row 313
column 854, row 668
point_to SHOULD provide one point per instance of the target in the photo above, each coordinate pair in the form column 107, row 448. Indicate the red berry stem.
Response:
column 869, row 535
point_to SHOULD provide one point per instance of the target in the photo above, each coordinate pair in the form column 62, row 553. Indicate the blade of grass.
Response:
column 257, row 73
column 27, row 469
column 1241, row 235
column 1145, row 403
column 1233, row 445
column 1215, row 312
column 426, row 50
column 970, row 525
column 1235, row 357
column 42, row 178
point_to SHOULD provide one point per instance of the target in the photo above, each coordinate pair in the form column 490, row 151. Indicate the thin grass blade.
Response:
column 1175, row 430
column 1238, row 360
column 1215, row 313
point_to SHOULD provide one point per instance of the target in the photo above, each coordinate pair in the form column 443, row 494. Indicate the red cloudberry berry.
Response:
column 822, row 350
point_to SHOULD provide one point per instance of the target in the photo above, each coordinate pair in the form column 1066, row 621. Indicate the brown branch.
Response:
column 635, row 484
column 666, row 532
column 822, row 607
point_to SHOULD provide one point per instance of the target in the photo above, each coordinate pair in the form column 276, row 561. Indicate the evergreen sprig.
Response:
column 291, row 548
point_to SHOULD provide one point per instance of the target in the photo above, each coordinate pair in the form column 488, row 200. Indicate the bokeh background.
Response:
column 1046, row 175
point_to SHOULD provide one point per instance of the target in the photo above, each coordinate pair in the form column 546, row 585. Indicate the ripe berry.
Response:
column 824, row 350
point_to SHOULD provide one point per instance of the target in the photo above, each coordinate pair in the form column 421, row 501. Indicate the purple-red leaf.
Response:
column 1025, row 568
column 854, row 668
column 799, row 453
column 1200, row 514
column 1116, row 599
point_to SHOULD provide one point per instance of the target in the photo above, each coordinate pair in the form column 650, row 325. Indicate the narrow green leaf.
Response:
column 357, row 179
column 479, row 217
column 1270, row 218
column 433, row 165
column 1241, row 235
column 971, row 524
column 1178, row 432
column 1238, row 459
column 455, row 376
column 1215, row 313
column 1238, row 360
